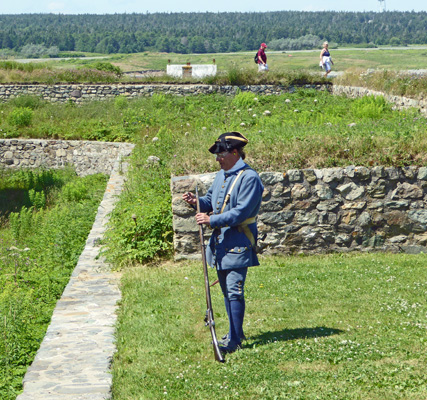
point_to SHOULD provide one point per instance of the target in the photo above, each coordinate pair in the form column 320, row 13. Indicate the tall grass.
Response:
column 400, row 83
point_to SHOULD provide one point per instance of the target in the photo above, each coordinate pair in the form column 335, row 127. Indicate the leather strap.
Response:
column 243, row 227
column 227, row 197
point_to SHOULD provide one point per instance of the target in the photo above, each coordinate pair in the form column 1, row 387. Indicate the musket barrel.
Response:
column 209, row 313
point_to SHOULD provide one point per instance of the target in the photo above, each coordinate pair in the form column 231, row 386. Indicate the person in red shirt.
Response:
column 262, row 58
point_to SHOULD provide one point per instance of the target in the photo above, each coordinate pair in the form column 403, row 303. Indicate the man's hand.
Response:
column 190, row 198
column 202, row 218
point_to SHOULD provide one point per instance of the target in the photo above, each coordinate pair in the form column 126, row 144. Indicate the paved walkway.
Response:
column 74, row 359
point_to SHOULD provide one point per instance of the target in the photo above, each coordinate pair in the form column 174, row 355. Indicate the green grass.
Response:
column 412, row 57
column 321, row 327
column 41, row 239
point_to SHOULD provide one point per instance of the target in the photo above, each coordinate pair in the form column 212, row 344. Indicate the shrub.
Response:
column 38, row 179
column 21, row 116
column 21, row 222
column 106, row 67
column 38, row 199
column 370, row 107
column 244, row 99
column 74, row 191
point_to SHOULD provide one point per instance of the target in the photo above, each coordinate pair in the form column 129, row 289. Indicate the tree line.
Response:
column 207, row 32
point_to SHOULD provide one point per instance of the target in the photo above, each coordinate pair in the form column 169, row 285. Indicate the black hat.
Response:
column 228, row 141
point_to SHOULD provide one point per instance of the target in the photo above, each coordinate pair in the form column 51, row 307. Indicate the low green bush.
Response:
column 107, row 67
column 141, row 224
column 21, row 116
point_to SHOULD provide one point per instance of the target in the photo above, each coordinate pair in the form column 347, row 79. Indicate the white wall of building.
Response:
column 197, row 71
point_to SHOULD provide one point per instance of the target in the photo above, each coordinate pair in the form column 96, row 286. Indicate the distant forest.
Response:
column 207, row 32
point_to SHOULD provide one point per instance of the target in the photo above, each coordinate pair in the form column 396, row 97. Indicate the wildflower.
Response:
column 254, row 115
column 296, row 110
column 242, row 124
column 155, row 139
column 287, row 101
column 267, row 113
column 255, row 98
column 204, row 128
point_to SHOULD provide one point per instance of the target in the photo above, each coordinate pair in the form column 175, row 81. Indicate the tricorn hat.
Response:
column 228, row 141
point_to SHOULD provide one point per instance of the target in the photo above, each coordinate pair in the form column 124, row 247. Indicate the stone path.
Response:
column 74, row 359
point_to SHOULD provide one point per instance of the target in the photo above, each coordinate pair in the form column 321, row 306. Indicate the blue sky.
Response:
column 138, row 6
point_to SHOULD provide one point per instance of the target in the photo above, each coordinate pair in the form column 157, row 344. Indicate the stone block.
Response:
column 351, row 191
column 332, row 175
column 300, row 191
column 324, row 192
column 310, row 175
column 408, row 191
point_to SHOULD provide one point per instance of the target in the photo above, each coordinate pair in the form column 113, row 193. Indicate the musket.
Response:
column 209, row 318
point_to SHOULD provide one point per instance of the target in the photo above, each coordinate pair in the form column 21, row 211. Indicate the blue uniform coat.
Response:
column 228, row 247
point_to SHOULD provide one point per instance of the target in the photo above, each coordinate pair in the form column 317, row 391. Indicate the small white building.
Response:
column 191, row 71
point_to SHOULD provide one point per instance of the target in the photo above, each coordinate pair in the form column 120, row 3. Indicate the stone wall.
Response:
column 80, row 93
column 325, row 210
column 84, row 92
column 87, row 157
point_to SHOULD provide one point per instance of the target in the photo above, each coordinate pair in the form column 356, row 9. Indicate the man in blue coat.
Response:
column 230, row 208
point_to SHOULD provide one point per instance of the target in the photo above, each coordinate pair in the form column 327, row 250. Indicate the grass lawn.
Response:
column 321, row 327
column 411, row 57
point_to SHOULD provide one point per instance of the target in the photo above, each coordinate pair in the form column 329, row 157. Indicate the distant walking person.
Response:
column 262, row 58
column 325, row 59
